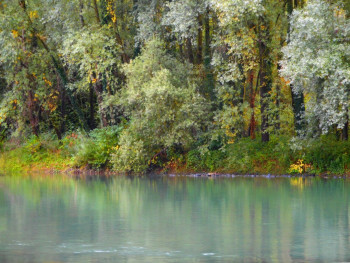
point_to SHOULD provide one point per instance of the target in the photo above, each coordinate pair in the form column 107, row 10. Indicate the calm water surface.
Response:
column 63, row 219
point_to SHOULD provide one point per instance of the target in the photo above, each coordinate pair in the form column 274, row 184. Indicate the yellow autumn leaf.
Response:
column 33, row 14
column 15, row 33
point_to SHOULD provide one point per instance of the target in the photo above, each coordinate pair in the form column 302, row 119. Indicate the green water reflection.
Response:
column 63, row 219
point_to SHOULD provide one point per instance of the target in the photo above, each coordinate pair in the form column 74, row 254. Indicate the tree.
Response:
column 95, row 57
column 243, row 57
column 316, row 63
column 164, row 107
column 33, row 89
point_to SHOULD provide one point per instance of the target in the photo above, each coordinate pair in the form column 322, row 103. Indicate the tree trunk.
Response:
column 92, row 110
column 278, row 119
column 209, row 81
column 81, row 7
column 345, row 130
column 297, row 99
column 189, row 50
column 57, row 131
column 97, row 15
column 265, row 78
column 278, row 98
column 63, row 104
column 252, row 124
column 32, row 109
column 265, row 88
column 298, row 111
column 98, row 87
column 200, row 41
column 181, row 51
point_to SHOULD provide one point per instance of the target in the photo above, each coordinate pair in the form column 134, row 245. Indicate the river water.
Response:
column 173, row 219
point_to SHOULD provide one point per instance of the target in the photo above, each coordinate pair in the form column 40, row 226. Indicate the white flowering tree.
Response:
column 316, row 62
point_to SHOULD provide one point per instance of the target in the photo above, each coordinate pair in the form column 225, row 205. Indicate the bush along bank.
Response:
column 99, row 150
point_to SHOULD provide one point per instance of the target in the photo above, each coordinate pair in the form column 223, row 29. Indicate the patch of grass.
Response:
column 35, row 154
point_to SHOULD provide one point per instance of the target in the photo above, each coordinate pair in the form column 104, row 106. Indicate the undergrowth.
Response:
column 95, row 150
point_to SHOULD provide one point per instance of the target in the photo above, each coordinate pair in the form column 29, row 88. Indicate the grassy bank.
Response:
column 32, row 156
column 245, row 156
column 75, row 150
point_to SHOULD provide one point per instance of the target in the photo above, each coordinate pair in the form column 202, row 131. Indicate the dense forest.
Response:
column 217, row 85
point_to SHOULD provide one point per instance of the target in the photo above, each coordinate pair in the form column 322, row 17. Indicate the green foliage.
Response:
column 209, row 161
column 36, row 148
column 163, row 105
column 94, row 53
column 316, row 63
column 253, row 156
column 189, row 81
column 328, row 155
column 92, row 150
column 244, row 156
column 34, row 153
column 96, row 148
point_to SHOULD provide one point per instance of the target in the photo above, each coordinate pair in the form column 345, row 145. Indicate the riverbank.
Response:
column 78, row 154
column 51, row 162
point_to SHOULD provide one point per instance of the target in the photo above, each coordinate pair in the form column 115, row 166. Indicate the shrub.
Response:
column 96, row 148
column 211, row 160
column 328, row 155
column 132, row 153
column 194, row 160
column 254, row 156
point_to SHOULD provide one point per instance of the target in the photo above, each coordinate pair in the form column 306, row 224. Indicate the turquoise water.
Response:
column 63, row 219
